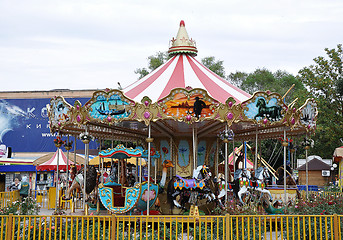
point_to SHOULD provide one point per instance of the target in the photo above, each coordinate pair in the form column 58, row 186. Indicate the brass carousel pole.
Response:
column 68, row 147
column 194, row 149
column 256, row 152
column 226, row 165
column 306, row 167
column 285, row 144
column 86, row 142
column 58, row 144
column 149, row 141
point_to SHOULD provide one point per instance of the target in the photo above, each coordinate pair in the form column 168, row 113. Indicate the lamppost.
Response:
column 333, row 168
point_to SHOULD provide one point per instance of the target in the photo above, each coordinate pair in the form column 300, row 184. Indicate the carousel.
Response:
column 182, row 113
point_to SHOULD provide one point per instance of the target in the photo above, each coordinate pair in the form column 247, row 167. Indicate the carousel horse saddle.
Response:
column 188, row 183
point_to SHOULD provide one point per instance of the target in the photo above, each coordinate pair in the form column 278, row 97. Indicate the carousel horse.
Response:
column 77, row 183
column 273, row 112
column 259, row 182
column 242, row 184
column 181, row 190
column 220, row 188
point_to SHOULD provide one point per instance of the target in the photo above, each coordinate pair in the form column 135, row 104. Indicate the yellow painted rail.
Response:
column 322, row 193
column 228, row 227
column 8, row 197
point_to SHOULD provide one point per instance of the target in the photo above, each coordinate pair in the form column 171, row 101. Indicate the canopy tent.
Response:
column 79, row 159
column 182, row 71
column 51, row 164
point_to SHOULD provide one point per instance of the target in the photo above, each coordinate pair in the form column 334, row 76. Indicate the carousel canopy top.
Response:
column 180, row 93
column 183, row 71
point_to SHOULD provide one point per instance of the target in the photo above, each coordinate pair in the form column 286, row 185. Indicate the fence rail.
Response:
column 8, row 197
column 228, row 227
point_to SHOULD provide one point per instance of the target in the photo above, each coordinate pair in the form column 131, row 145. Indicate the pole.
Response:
column 234, row 154
column 226, row 166
column 217, row 157
column 149, row 157
column 245, row 154
column 68, row 165
column 194, row 149
column 57, row 177
column 85, row 172
column 284, row 167
column 306, row 167
column 256, row 141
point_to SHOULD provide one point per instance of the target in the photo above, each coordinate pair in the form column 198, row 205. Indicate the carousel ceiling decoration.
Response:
column 180, row 93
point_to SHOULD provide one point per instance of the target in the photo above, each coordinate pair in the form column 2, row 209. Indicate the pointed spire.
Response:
column 182, row 43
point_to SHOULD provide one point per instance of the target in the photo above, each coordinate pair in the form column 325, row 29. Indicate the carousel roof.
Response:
column 183, row 71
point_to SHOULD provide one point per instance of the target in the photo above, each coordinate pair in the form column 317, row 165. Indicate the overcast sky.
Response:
column 80, row 44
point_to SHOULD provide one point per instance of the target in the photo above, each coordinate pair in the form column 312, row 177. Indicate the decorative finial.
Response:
column 182, row 43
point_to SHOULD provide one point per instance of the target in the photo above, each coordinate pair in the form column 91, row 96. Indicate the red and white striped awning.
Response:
column 51, row 164
column 182, row 71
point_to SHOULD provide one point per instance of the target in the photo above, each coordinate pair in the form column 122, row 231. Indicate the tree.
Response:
column 263, row 80
column 154, row 61
column 215, row 66
column 324, row 80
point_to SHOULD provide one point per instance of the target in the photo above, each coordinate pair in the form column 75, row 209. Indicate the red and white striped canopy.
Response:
column 52, row 163
column 183, row 71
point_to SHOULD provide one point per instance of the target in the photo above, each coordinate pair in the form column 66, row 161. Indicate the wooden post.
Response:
column 9, row 227
column 335, row 227
column 227, row 226
column 113, row 228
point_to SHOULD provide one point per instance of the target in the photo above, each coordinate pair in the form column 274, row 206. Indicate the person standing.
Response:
column 25, row 187
column 16, row 185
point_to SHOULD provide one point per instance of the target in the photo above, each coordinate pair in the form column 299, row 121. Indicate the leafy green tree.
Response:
column 324, row 80
column 154, row 61
column 215, row 66
column 263, row 80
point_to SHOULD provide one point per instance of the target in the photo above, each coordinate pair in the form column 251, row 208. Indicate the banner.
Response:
column 24, row 125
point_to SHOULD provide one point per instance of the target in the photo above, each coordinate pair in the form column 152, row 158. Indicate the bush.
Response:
column 28, row 206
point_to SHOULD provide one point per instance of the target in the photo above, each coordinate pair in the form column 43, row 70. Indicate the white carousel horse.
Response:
column 242, row 183
column 261, row 174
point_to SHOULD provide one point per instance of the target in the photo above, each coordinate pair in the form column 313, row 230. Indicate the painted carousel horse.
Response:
column 241, row 184
column 181, row 190
column 220, row 188
column 259, row 182
column 77, row 183
column 273, row 112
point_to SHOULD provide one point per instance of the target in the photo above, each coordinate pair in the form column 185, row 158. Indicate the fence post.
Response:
column 335, row 227
column 227, row 226
column 113, row 228
column 9, row 226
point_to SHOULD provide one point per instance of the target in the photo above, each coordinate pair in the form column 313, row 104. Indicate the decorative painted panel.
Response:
column 60, row 111
column 165, row 150
column 188, row 106
column 265, row 108
column 212, row 154
column 308, row 114
column 201, row 152
column 109, row 106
